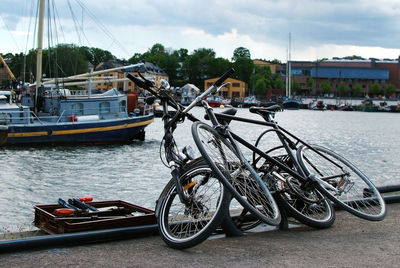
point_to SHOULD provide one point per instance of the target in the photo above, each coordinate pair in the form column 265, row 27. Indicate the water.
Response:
column 134, row 172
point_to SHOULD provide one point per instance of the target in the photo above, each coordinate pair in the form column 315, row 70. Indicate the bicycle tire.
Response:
column 182, row 226
column 237, row 176
column 348, row 187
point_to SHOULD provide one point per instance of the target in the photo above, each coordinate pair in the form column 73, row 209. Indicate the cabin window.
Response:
column 77, row 109
column 104, row 108
column 122, row 106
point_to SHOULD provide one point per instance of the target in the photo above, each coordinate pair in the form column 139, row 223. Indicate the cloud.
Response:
column 318, row 27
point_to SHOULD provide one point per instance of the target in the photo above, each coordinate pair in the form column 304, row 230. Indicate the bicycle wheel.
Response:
column 305, row 204
column 342, row 182
column 183, row 226
column 237, row 176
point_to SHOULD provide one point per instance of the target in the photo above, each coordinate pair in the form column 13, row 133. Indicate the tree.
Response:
column 96, row 55
column 295, row 86
column 278, row 83
column 357, row 89
column 342, row 89
column 241, row 52
column 260, row 88
column 390, row 89
column 243, row 69
column 374, row 89
column 326, row 87
column 197, row 66
column 310, row 84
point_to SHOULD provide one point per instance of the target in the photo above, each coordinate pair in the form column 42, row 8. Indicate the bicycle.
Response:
column 174, row 229
column 193, row 202
column 288, row 169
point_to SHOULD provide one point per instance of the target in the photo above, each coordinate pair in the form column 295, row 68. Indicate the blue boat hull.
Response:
column 97, row 132
column 291, row 105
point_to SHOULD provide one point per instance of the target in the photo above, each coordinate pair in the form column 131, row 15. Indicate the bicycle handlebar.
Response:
column 224, row 77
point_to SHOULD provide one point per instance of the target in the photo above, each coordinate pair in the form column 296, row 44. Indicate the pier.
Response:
column 350, row 242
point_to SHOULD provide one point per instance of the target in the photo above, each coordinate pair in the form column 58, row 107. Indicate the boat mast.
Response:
column 40, row 46
column 289, row 68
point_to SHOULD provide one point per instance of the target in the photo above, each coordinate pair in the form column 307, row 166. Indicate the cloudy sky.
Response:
column 319, row 29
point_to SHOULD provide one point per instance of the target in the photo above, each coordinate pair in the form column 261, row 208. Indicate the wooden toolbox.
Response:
column 111, row 214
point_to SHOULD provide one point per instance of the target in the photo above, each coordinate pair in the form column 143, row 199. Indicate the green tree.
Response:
column 296, row 87
column 137, row 57
column 310, row 85
column 197, row 66
column 357, row 89
column 96, row 55
column 342, row 89
column 326, row 87
column 260, row 88
column 390, row 89
column 241, row 52
column 374, row 89
column 278, row 83
column 243, row 69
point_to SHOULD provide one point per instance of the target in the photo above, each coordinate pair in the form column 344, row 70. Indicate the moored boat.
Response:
column 291, row 104
column 317, row 105
column 64, row 118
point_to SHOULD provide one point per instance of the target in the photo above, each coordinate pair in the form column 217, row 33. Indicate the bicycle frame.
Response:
column 286, row 142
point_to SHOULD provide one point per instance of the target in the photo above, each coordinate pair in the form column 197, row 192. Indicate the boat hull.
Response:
column 291, row 105
column 95, row 132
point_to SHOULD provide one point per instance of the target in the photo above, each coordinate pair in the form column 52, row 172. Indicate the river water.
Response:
column 134, row 172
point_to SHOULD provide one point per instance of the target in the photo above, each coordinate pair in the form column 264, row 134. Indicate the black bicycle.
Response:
column 186, row 215
column 194, row 201
column 301, row 175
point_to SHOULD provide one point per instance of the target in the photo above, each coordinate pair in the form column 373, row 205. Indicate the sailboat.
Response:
column 52, row 114
column 289, row 103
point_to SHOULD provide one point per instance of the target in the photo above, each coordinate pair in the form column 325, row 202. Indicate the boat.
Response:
column 291, row 104
column 215, row 101
column 317, row 105
column 367, row 105
column 346, row 107
column 384, row 107
column 109, row 117
column 51, row 114
column 250, row 101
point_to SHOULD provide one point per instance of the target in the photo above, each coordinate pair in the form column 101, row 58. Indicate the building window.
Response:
column 77, row 109
column 104, row 108
column 235, row 84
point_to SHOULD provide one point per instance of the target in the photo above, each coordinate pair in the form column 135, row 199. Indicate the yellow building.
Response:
column 263, row 63
column 148, row 70
column 236, row 88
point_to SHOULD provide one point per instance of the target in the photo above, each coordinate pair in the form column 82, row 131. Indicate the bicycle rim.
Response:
column 183, row 226
column 238, row 177
column 342, row 182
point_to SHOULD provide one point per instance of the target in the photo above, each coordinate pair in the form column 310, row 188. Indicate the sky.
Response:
column 318, row 29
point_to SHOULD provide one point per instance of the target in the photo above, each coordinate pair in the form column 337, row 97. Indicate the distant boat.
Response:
column 317, row 105
column 291, row 104
column 250, row 101
column 215, row 101
column 367, row 105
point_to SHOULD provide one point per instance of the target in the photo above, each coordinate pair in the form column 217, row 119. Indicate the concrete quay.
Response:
column 350, row 242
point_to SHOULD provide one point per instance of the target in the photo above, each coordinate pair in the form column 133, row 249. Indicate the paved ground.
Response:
column 351, row 242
